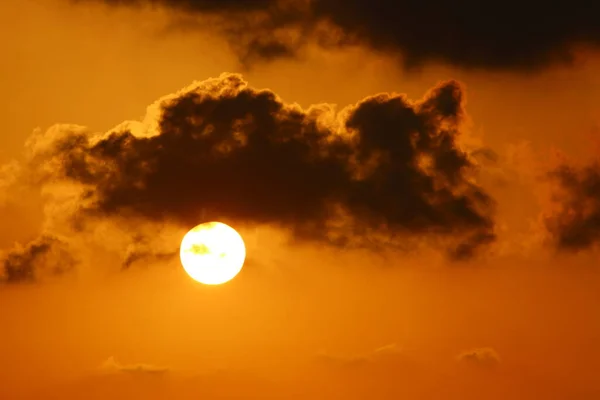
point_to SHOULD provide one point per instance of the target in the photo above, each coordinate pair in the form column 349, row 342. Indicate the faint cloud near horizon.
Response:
column 483, row 356
column 379, row 353
column 112, row 365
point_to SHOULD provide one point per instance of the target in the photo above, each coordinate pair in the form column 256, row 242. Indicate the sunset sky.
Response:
column 417, row 185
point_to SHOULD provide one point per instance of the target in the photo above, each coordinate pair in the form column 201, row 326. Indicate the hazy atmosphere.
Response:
column 417, row 187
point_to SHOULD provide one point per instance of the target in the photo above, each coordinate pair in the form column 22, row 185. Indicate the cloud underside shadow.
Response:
column 506, row 35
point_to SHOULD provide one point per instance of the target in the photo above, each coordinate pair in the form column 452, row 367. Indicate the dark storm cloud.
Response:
column 575, row 225
column 45, row 256
column 385, row 165
column 473, row 34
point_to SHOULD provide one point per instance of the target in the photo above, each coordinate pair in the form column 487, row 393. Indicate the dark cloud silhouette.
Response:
column 385, row 166
column 503, row 35
column 45, row 256
column 575, row 224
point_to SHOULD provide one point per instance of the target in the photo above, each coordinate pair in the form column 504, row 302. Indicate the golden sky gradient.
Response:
column 304, row 319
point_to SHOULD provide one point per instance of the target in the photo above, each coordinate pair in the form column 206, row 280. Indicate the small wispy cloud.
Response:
column 484, row 356
column 111, row 365
column 375, row 355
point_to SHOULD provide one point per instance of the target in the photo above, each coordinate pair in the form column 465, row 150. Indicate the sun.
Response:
column 212, row 253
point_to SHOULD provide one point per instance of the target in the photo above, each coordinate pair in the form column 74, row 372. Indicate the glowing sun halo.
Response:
column 212, row 253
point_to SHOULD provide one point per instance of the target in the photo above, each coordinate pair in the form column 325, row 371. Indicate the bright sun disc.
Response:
column 212, row 253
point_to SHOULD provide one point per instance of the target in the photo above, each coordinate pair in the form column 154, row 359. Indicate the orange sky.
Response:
column 302, row 320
